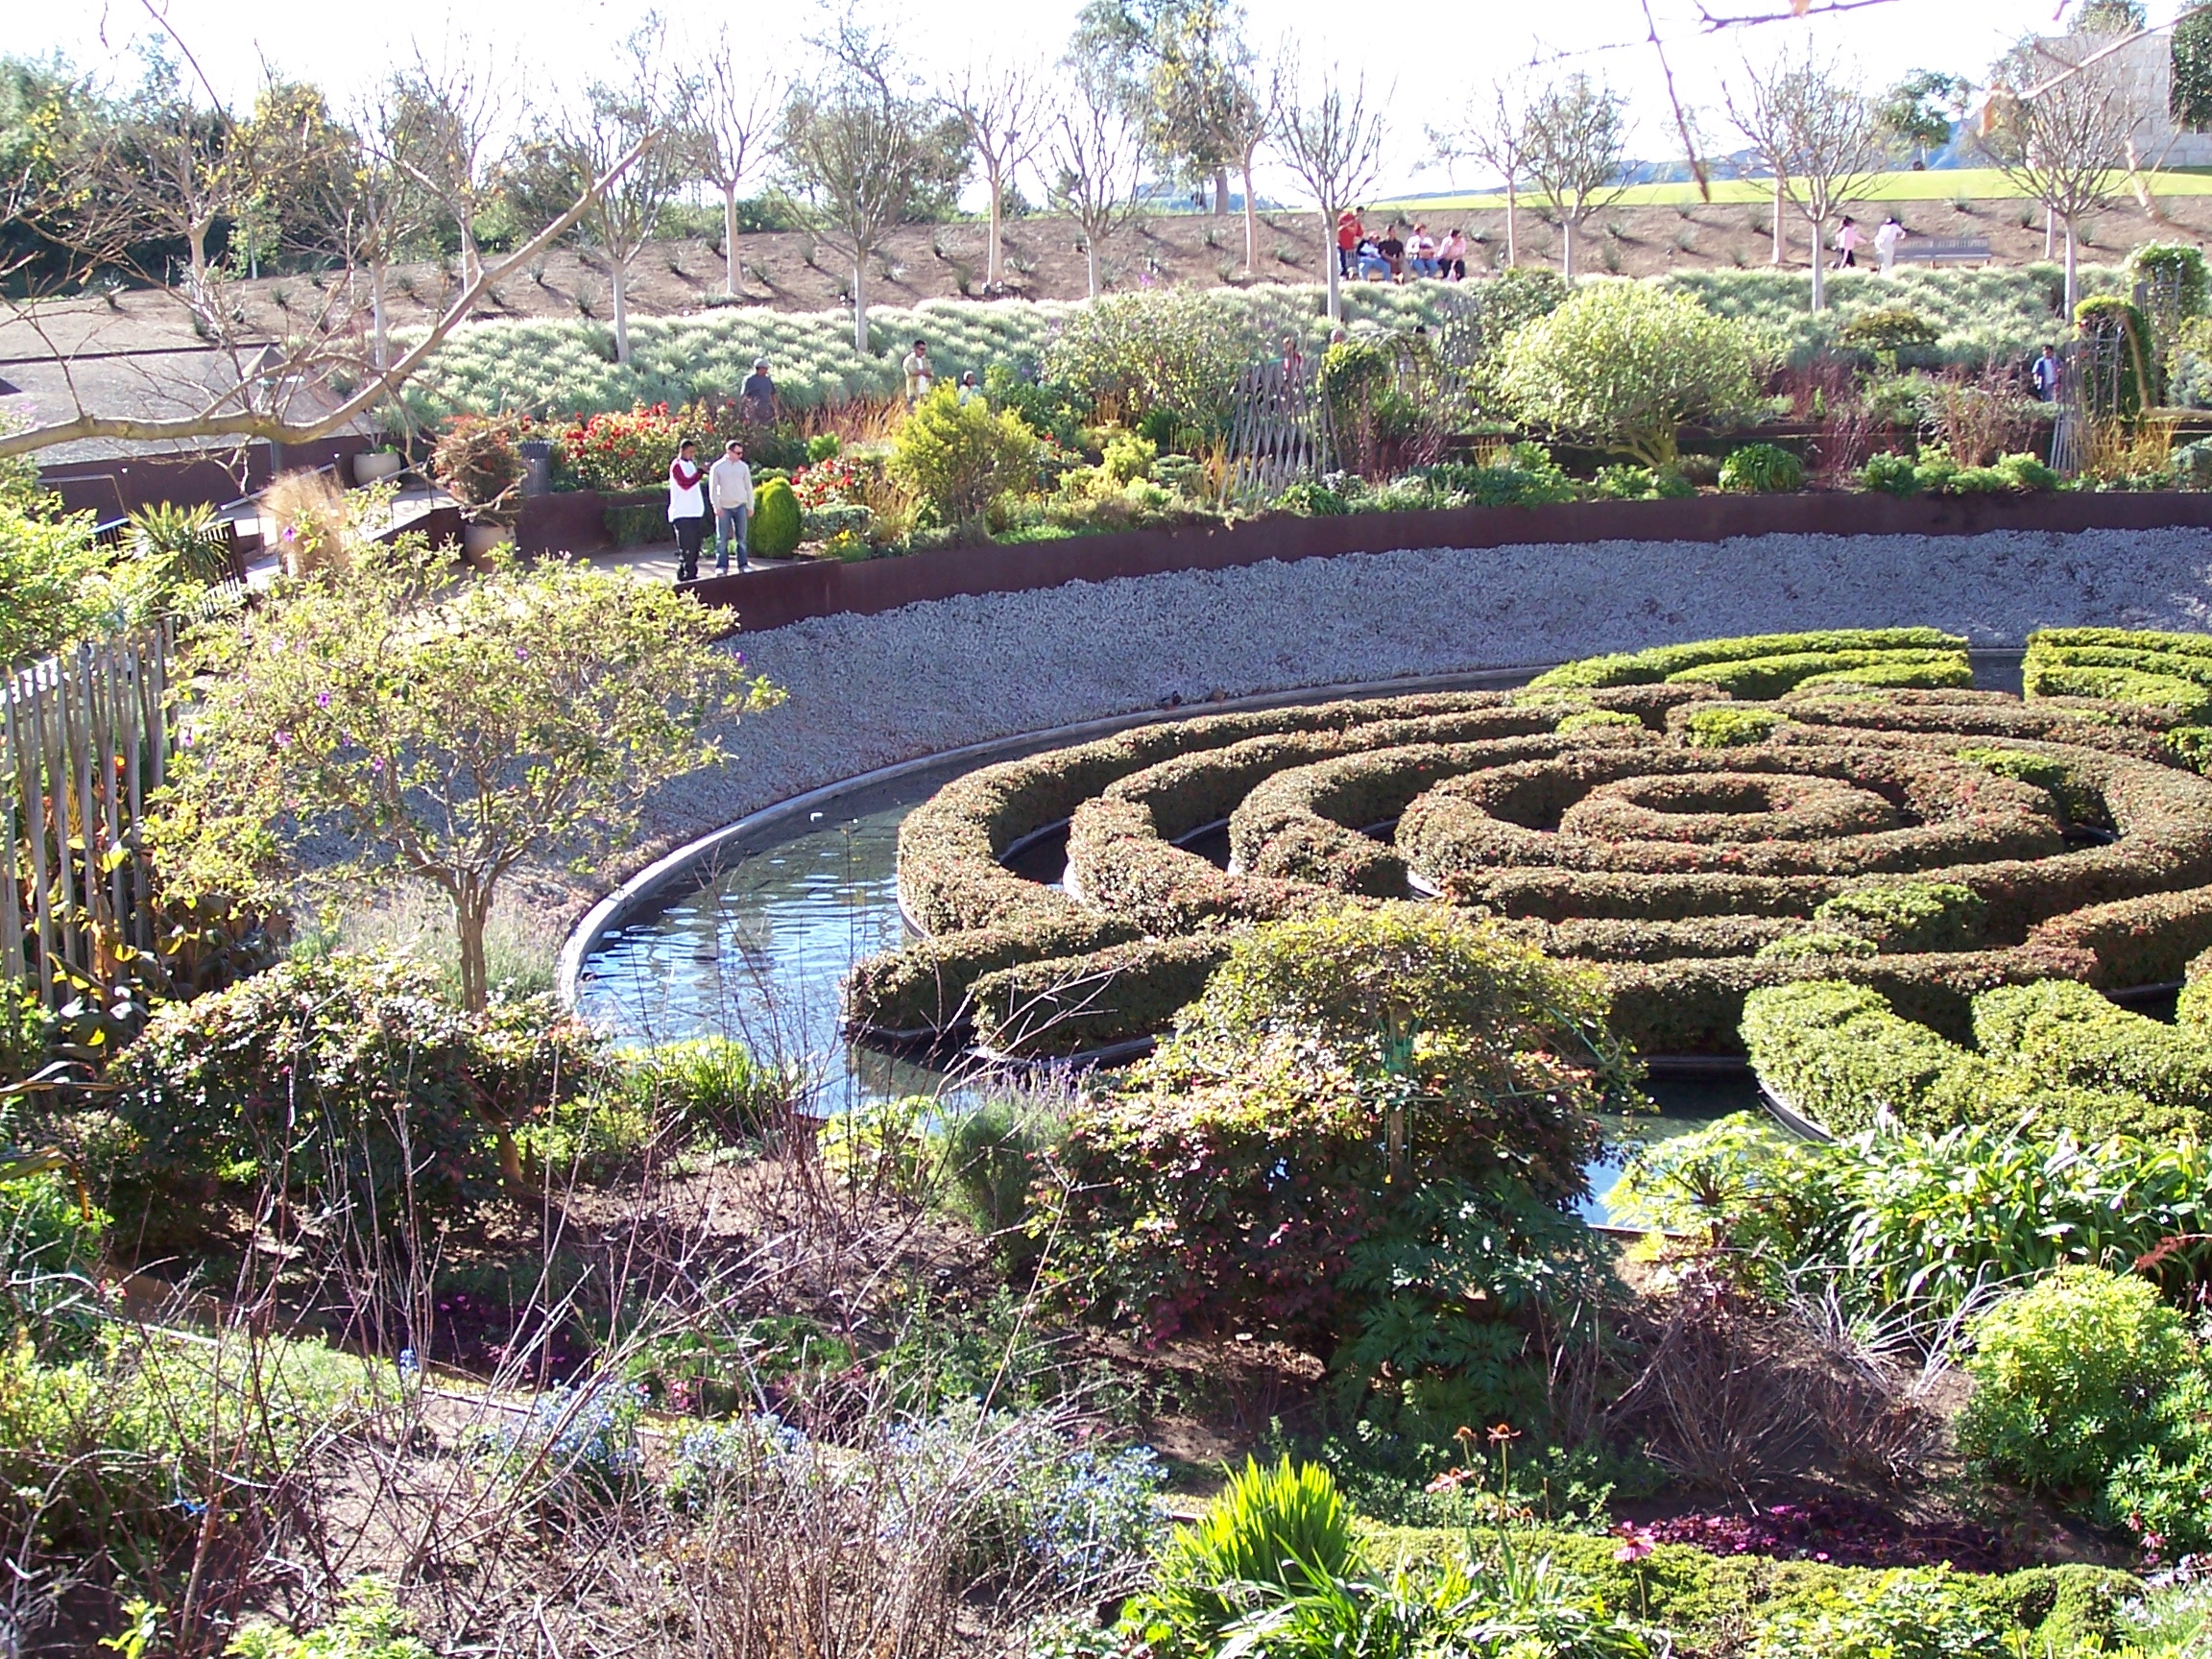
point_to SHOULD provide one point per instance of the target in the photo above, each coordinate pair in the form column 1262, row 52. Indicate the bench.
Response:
column 1943, row 250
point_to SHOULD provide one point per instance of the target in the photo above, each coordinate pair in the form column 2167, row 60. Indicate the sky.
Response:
column 1431, row 58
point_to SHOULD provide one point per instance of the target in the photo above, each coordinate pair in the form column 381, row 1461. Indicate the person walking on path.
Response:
column 2045, row 375
column 919, row 377
column 1849, row 239
column 757, row 398
column 1885, row 241
column 1349, row 231
column 730, row 487
column 687, row 510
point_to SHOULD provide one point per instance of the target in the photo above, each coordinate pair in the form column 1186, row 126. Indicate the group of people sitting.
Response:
column 1391, row 257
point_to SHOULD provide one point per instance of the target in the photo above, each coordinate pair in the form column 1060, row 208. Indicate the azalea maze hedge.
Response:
column 1702, row 822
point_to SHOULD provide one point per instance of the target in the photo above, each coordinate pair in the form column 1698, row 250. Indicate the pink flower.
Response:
column 1635, row 1543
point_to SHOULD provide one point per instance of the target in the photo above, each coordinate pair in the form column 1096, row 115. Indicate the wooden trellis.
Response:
column 1281, row 432
column 85, row 738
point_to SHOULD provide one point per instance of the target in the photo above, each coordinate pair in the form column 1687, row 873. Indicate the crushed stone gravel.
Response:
column 868, row 691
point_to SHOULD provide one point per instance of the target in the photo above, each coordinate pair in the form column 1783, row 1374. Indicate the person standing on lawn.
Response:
column 920, row 376
column 687, row 509
column 730, row 487
column 1849, row 239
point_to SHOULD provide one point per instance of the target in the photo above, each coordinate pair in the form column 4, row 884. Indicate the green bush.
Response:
column 1232, row 1176
column 1909, row 915
column 1891, row 475
column 777, row 524
column 1886, row 331
column 1762, row 467
column 1905, row 1613
column 50, row 1240
column 708, row 1086
column 1180, row 350
column 1723, row 727
column 1671, row 662
column 1523, row 476
column 959, row 458
column 368, row 1625
column 1282, row 1526
column 1311, row 501
column 2066, row 1375
column 1626, row 364
column 2170, row 673
column 349, row 1079
column 2174, row 275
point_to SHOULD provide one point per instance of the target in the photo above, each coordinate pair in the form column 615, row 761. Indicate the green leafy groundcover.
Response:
column 1699, row 820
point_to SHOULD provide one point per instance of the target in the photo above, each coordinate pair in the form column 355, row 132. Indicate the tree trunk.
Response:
column 2072, row 291
column 470, row 911
column 472, row 263
column 859, row 307
column 729, row 238
column 619, row 274
column 1566, row 247
column 1251, row 223
column 2050, row 230
column 991, row 235
column 1512, row 234
column 1090, row 259
column 1329, row 263
column 376, row 312
column 1220, row 192
column 1819, row 268
column 196, row 243
column 1777, row 257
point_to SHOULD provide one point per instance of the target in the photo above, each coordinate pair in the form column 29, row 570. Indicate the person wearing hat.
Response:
column 757, row 398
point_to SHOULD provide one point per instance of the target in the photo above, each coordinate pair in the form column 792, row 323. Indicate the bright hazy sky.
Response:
column 1429, row 56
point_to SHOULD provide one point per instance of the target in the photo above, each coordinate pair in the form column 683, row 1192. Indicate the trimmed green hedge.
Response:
column 1680, row 662
column 1845, row 1057
column 2170, row 673
column 1642, row 812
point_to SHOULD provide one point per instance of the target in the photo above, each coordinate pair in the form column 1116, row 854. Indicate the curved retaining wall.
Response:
column 776, row 598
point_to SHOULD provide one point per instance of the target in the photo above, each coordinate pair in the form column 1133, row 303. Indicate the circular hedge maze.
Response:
column 1697, row 821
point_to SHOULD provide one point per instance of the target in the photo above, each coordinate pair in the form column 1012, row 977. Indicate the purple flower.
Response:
column 321, row 699
column 522, row 654
column 283, row 739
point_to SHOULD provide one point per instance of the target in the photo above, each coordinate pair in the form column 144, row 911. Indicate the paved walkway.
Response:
column 660, row 562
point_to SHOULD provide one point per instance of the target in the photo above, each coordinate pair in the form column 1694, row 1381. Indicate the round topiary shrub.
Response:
column 778, row 524
column 1765, row 467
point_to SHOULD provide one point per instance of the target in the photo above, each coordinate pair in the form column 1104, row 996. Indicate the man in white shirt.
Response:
column 920, row 376
column 730, row 482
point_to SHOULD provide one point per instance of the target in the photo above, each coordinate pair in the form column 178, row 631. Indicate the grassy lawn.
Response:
column 1973, row 183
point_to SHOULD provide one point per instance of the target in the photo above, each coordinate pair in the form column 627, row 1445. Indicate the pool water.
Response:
column 755, row 951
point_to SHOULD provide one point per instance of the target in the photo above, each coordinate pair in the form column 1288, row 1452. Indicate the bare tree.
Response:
column 2057, row 124
column 859, row 150
column 386, row 208
column 1820, row 134
column 1333, row 141
column 638, row 118
column 453, row 118
column 1097, row 155
column 1243, row 120
column 1496, row 136
column 1576, row 142
column 1003, row 109
column 732, row 123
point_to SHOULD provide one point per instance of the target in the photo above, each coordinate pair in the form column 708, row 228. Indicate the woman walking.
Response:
column 687, row 510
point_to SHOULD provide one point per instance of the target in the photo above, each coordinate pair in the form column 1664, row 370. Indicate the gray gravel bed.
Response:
column 867, row 691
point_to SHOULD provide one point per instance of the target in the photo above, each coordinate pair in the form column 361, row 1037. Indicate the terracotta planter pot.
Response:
column 373, row 465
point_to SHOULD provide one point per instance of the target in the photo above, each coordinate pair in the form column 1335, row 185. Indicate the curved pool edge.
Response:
column 645, row 888
column 642, row 890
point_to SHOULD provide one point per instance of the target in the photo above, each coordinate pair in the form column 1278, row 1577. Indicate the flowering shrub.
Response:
column 834, row 481
column 622, row 451
column 574, row 1441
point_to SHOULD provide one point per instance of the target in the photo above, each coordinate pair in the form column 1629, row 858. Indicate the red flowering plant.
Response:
column 621, row 450
column 833, row 482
